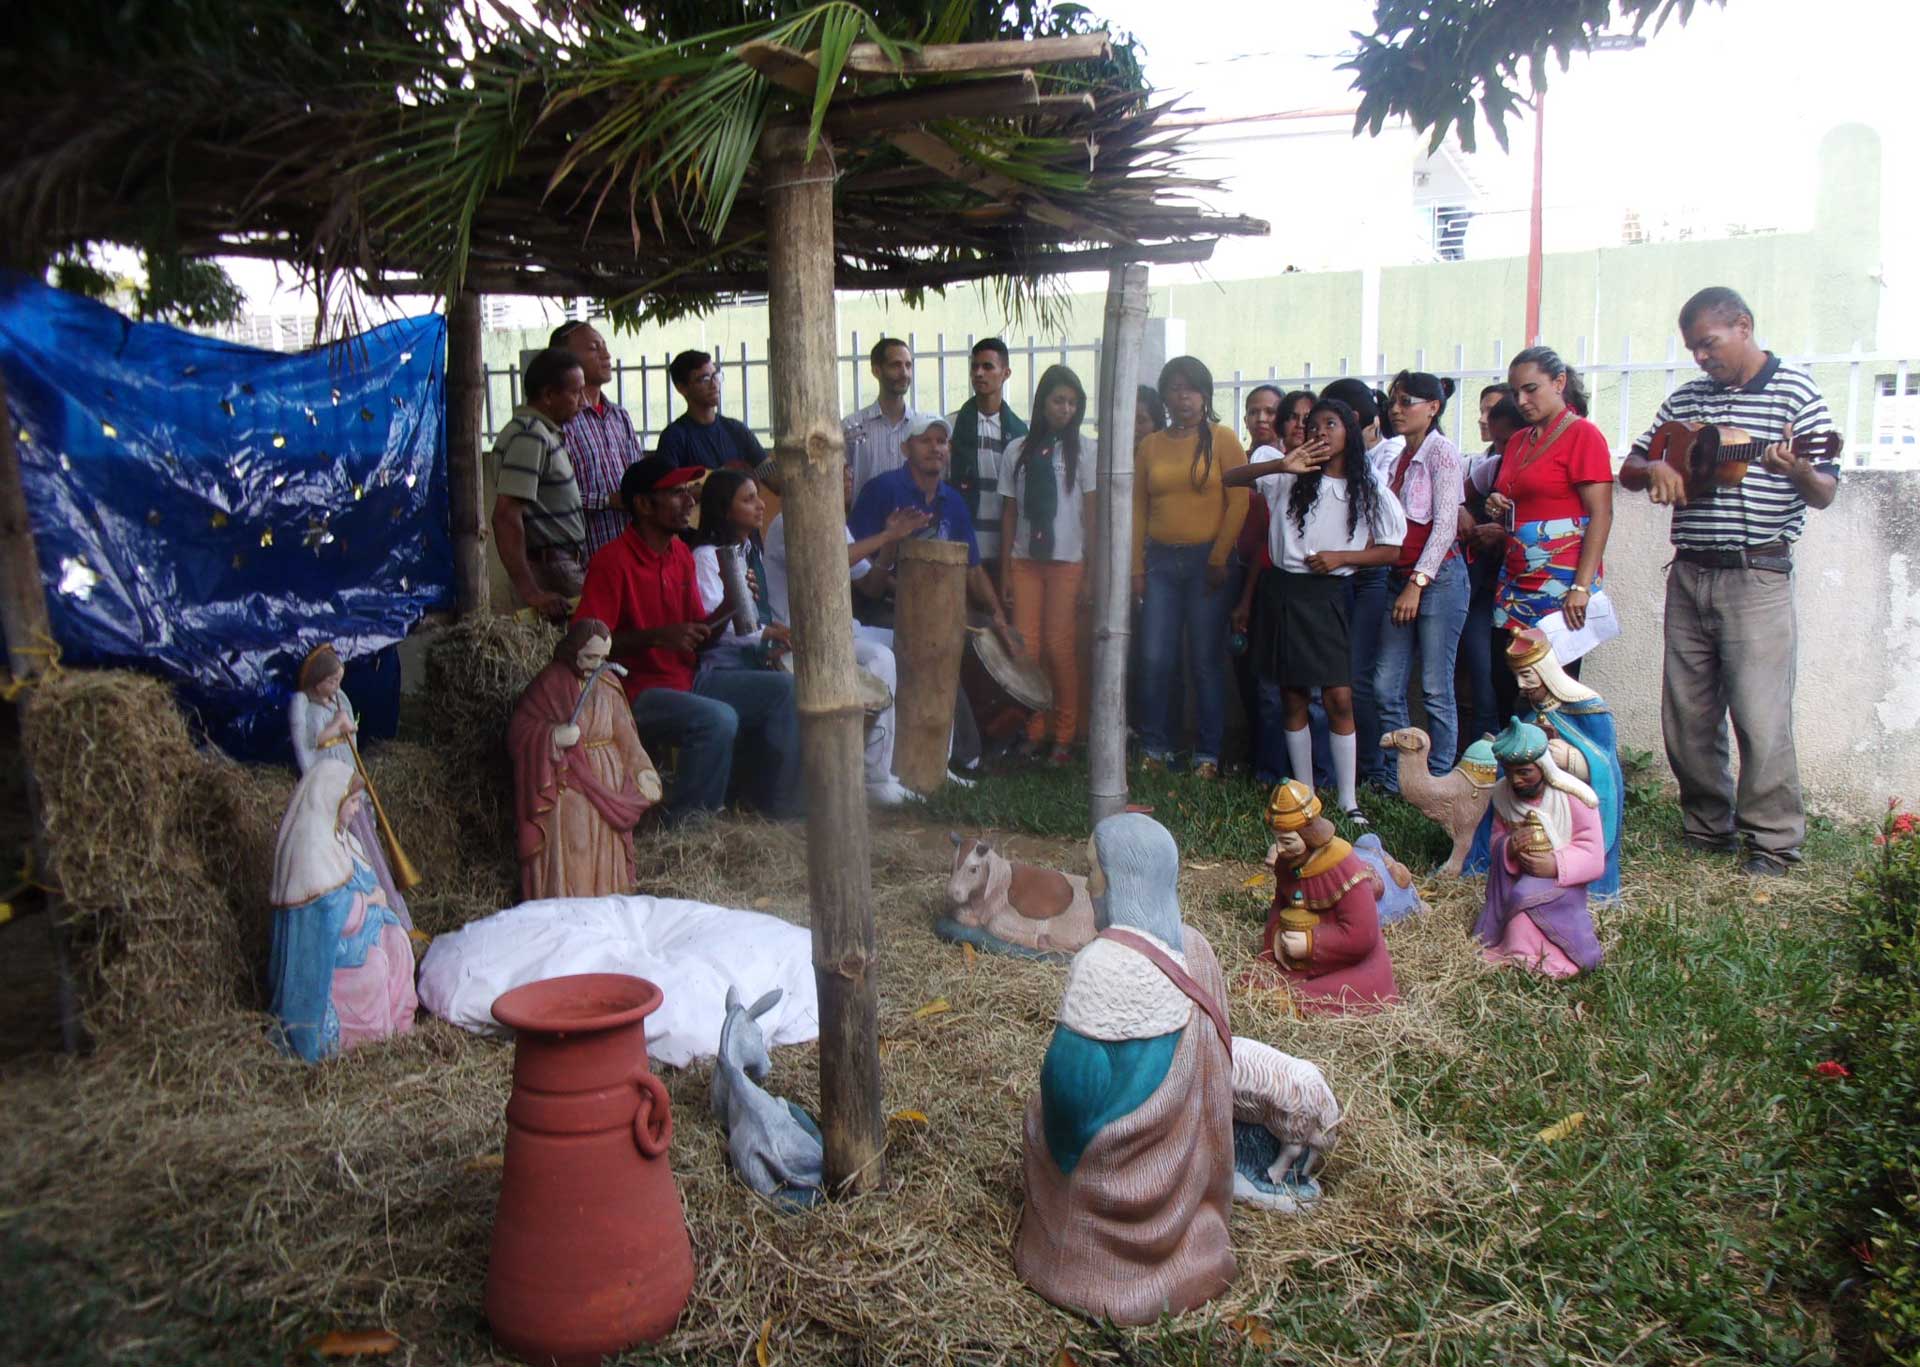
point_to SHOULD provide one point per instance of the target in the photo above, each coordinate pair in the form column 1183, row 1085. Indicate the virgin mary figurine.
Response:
column 341, row 969
column 321, row 720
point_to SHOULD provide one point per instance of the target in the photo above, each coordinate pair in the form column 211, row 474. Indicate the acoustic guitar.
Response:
column 1708, row 455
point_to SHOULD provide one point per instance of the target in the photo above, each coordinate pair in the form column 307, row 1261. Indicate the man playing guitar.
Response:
column 1730, row 629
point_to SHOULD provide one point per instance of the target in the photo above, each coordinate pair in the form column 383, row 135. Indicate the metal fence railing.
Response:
column 1875, row 396
column 940, row 381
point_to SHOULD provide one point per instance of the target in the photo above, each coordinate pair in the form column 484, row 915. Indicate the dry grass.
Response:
column 187, row 1160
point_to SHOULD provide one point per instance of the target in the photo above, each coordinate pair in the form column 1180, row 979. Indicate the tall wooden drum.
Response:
column 929, row 633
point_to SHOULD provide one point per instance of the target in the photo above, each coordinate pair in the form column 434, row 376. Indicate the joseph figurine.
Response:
column 582, row 780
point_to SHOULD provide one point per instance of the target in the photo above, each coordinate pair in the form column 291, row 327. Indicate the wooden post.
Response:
column 23, row 617
column 1126, row 322
column 929, row 636
column 811, row 453
column 466, row 407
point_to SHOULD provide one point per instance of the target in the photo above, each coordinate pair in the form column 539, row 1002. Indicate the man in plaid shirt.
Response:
column 600, row 438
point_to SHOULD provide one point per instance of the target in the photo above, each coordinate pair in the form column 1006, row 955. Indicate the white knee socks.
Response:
column 1346, row 758
column 1300, row 755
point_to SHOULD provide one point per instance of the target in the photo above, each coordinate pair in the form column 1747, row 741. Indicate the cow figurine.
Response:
column 1005, row 907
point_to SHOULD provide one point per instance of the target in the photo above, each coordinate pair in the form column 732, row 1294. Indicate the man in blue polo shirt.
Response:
column 917, row 484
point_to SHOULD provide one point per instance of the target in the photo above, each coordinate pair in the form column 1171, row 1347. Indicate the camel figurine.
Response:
column 1457, row 800
column 1005, row 907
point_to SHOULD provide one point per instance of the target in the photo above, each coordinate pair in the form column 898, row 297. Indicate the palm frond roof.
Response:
column 431, row 145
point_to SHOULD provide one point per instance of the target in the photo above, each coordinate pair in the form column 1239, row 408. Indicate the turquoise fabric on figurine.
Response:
column 1085, row 1084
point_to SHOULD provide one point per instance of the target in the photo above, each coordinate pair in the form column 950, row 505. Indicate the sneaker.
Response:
column 1029, row 748
column 954, row 778
column 1060, row 757
column 892, row 793
column 1758, row 865
column 1207, row 771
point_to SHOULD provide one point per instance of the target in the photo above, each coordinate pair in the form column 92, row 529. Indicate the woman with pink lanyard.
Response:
column 1427, row 588
column 1555, row 492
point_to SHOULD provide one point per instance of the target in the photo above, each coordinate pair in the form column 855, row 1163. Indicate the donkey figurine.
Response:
column 773, row 1144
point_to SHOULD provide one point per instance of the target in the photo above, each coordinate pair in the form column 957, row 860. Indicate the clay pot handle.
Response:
column 649, row 1137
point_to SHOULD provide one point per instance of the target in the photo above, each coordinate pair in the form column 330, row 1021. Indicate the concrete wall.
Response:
column 1857, row 697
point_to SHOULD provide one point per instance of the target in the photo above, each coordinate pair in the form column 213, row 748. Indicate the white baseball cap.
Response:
column 922, row 423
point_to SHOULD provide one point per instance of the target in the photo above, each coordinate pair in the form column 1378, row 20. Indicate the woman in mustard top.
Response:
column 1184, row 527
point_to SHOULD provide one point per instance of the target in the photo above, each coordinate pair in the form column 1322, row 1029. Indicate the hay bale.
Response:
column 132, row 812
column 476, row 671
column 164, row 850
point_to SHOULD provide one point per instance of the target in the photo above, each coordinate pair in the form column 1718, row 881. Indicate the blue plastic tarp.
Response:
column 210, row 512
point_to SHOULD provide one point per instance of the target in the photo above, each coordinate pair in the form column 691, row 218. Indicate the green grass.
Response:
column 1682, row 1222
column 1209, row 820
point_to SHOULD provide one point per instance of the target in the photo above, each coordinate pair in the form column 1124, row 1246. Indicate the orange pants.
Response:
column 1046, row 612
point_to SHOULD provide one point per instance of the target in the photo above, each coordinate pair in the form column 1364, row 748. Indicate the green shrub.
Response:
column 1878, row 1105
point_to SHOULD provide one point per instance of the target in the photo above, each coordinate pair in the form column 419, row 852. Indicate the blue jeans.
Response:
column 1179, row 604
column 705, row 723
column 1370, row 606
column 1443, row 608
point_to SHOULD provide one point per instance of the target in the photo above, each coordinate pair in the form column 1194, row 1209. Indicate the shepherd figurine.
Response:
column 1129, row 1142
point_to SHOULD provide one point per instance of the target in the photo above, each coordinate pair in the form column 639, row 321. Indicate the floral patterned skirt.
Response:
column 1538, row 570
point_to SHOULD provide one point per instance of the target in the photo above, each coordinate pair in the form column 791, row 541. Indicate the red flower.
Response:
column 1903, row 824
column 1832, row 1068
column 1863, row 1251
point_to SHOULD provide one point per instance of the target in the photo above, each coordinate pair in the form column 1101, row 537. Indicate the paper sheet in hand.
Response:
column 1603, row 624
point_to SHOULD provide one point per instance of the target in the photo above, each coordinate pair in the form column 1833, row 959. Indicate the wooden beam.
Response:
column 466, row 487
column 847, row 276
column 945, row 158
column 800, row 73
column 1126, row 320
column 811, row 453
column 869, row 59
column 29, row 632
column 994, row 96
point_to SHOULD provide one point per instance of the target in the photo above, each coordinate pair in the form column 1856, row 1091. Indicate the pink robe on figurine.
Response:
column 377, row 998
column 574, row 812
column 1539, row 923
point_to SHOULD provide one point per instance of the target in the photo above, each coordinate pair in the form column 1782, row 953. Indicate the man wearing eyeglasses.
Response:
column 703, row 436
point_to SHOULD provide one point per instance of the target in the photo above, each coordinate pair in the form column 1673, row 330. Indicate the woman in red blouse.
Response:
column 1555, row 495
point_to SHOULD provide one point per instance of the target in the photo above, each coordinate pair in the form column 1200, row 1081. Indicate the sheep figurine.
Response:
column 773, row 1144
column 1005, row 907
column 1284, row 1115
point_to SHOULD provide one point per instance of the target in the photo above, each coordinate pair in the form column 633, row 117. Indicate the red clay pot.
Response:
column 590, row 1251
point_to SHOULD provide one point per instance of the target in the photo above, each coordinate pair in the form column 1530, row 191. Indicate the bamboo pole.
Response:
column 811, row 453
column 23, row 617
column 929, row 636
column 466, row 405
column 1126, row 321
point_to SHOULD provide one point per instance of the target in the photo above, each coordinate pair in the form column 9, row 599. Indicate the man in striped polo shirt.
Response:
column 538, row 525
column 1730, row 630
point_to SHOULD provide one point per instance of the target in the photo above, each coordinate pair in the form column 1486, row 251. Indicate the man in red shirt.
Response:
column 642, row 585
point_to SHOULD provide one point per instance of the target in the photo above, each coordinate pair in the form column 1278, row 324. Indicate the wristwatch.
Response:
column 1421, row 579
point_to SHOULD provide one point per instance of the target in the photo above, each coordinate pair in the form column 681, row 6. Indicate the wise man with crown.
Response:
column 1323, row 936
column 1548, row 845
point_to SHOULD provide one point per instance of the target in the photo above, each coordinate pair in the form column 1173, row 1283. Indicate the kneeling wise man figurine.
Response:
column 1548, row 844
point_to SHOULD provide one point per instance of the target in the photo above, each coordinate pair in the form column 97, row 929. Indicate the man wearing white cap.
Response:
column 918, row 485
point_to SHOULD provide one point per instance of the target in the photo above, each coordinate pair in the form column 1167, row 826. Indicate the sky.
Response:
column 1712, row 122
